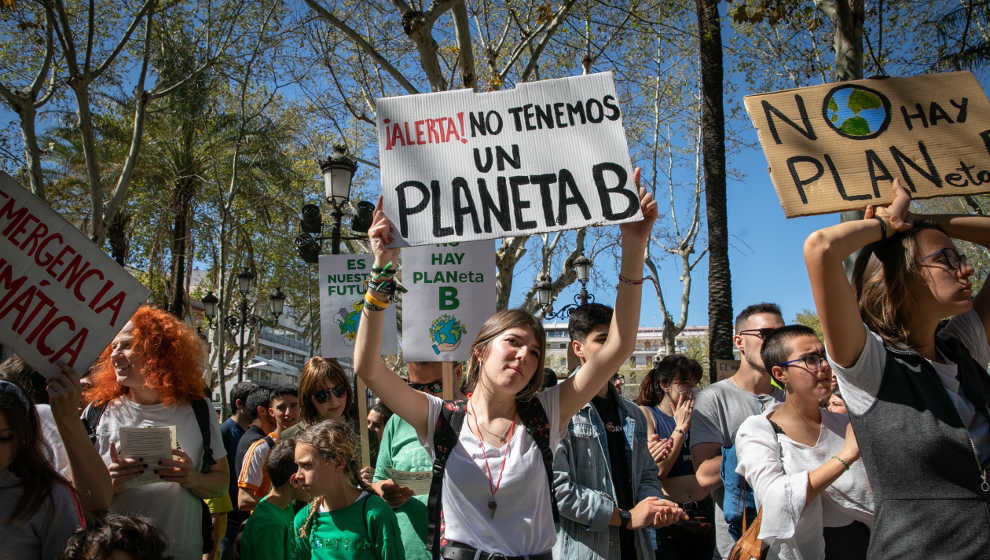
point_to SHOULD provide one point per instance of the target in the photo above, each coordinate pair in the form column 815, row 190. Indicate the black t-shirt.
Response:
column 608, row 410
column 251, row 435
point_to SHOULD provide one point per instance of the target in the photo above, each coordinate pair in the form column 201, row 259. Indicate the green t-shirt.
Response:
column 267, row 535
column 400, row 450
column 364, row 530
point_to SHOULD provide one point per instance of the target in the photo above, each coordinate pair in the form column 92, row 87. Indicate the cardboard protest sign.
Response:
column 61, row 298
column 451, row 294
column 839, row 146
column 343, row 282
column 545, row 156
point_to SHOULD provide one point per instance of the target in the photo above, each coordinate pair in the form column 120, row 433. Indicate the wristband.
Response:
column 839, row 459
column 883, row 232
column 374, row 304
column 624, row 280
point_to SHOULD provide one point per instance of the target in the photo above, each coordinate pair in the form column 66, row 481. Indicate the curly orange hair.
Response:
column 174, row 357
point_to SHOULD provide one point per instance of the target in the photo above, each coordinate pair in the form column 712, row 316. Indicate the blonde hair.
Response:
column 334, row 440
column 496, row 325
column 882, row 276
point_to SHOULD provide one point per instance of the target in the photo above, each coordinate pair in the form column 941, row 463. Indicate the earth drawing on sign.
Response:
column 348, row 321
column 446, row 332
column 857, row 112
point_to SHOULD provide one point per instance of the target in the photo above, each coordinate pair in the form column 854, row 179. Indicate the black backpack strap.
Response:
column 201, row 409
column 445, row 436
column 271, row 443
column 91, row 419
column 534, row 418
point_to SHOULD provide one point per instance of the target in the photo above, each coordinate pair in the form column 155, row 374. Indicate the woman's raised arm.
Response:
column 835, row 298
column 582, row 386
column 409, row 404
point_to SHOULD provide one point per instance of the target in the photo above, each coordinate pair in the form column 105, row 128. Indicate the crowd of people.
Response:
column 872, row 442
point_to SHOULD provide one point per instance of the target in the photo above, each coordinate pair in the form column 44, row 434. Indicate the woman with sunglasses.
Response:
column 324, row 394
column 916, row 389
column 495, row 490
column 801, row 459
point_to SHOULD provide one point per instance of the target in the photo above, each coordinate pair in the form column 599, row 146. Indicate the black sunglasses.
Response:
column 762, row 334
column 324, row 395
column 432, row 387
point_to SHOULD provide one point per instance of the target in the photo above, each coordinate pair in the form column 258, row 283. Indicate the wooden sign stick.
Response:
column 448, row 381
column 362, row 397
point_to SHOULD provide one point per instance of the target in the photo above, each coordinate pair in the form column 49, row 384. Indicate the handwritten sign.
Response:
column 545, row 156
column 343, row 282
column 839, row 146
column 451, row 294
column 61, row 298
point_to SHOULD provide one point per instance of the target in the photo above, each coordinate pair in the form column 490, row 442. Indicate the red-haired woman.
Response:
column 151, row 375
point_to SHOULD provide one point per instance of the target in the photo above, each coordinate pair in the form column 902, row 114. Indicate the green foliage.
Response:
column 809, row 318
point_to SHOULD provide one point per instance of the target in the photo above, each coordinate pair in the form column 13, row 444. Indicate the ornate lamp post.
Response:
column 544, row 290
column 338, row 172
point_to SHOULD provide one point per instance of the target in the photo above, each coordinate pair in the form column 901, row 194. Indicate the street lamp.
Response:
column 338, row 172
column 544, row 290
column 245, row 285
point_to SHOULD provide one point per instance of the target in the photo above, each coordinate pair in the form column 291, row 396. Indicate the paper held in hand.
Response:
column 151, row 444
column 545, row 156
column 418, row 482
column 839, row 146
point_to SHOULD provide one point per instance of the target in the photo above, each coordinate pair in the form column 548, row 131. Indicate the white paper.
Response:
column 62, row 299
column 343, row 283
column 418, row 482
column 451, row 294
column 545, row 156
column 151, row 444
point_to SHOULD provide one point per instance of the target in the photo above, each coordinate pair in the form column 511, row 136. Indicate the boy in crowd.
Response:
column 605, row 480
column 253, row 481
column 267, row 535
column 719, row 409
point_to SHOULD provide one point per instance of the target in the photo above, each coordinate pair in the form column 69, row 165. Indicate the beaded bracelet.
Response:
column 839, row 459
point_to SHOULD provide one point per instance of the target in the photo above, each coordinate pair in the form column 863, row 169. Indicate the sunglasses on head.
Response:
column 324, row 395
column 432, row 387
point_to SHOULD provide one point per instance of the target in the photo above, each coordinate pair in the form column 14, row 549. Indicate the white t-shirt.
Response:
column 860, row 382
column 57, row 455
column 174, row 510
column 523, row 522
column 792, row 529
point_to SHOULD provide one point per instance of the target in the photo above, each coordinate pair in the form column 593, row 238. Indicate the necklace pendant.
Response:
column 492, row 506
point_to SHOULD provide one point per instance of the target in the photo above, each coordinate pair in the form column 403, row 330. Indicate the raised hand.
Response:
column 380, row 236
column 683, row 410
column 641, row 230
column 896, row 214
column 64, row 395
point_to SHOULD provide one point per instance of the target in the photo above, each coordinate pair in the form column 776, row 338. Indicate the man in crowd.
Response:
column 605, row 480
column 719, row 410
column 231, row 431
column 400, row 450
column 253, row 481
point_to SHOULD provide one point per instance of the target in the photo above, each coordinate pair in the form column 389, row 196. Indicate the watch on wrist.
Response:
column 625, row 517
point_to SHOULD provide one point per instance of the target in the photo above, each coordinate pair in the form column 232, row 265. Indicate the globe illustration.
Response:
column 857, row 112
column 446, row 333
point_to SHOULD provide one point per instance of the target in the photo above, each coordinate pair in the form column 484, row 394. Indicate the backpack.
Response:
column 201, row 409
column 445, row 436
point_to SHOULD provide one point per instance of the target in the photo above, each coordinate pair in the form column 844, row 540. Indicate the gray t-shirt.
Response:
column 43, row 535
column 719, row 410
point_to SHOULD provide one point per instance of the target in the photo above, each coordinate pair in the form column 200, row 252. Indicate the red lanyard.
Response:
column 493, row 487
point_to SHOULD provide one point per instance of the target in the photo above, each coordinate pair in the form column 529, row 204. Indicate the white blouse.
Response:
column 792, row 530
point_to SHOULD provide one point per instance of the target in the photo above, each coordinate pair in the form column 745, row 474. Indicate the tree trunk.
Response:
column 183, row 200
column 713, row 150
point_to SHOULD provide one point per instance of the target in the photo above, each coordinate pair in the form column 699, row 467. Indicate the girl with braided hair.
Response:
column 345, row 518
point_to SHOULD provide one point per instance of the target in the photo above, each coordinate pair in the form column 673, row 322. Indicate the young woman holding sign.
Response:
column 494, row 488
column 916, row 389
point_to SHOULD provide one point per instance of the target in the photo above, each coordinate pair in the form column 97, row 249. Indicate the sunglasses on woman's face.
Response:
column 337, row 391
column 435, row 387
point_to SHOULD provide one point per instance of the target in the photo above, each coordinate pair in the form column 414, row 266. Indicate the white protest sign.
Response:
column 343, row 282
column 545, row 156
column 61, row 298
column 451, row 294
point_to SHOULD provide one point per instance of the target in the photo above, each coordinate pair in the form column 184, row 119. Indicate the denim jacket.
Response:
column 582, row 481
